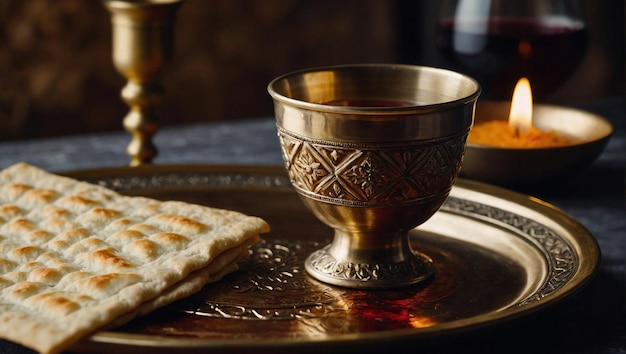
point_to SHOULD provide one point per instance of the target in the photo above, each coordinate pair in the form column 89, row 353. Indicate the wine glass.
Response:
column 499, row 41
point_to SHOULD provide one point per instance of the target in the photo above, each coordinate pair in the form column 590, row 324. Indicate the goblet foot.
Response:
column 323, row 266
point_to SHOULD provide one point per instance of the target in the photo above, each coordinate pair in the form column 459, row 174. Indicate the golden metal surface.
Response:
column 498, row 255
column 373, row 151
column 142, row 46
column 525, row 167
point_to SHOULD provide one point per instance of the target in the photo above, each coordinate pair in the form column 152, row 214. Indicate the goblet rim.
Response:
column 408, row 108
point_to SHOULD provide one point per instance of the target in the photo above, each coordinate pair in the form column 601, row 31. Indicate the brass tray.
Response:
column 498, row 255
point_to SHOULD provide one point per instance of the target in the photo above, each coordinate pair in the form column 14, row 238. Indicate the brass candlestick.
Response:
column 142, row 45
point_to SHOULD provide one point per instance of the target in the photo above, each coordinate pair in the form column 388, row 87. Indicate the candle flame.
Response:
column 521, row 114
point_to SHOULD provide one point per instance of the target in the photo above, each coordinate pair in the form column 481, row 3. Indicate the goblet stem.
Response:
column 370, row 247
column 142, row 45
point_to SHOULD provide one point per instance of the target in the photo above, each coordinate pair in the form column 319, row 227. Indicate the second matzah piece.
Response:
column 76, row 257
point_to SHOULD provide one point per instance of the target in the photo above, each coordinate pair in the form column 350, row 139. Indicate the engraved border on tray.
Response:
column 193, row 179
column 562, row 258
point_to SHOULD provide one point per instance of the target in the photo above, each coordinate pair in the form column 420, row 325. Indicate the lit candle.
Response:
column 521, row 116
column 519, row 131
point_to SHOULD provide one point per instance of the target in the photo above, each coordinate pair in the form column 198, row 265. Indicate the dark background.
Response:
column 57, row 78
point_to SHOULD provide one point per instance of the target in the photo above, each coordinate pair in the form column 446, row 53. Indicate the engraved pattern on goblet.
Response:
column 372, row 174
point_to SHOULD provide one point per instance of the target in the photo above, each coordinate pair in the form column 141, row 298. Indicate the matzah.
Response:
column 77, row 257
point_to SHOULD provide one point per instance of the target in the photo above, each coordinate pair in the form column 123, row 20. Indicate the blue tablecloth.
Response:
column 592, row 322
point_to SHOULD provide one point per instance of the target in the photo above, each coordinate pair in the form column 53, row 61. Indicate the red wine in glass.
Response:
column 498, row 51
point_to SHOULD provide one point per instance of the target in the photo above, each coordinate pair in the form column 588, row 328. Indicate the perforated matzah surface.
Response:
column 75, row 257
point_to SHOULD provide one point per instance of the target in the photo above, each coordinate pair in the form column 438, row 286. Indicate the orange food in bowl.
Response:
column 497, row 133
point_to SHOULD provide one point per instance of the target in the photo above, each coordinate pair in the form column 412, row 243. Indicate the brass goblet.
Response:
column 373, row 150
column 143, row 34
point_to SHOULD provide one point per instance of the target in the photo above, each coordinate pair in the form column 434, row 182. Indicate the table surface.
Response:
column 591, row 321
